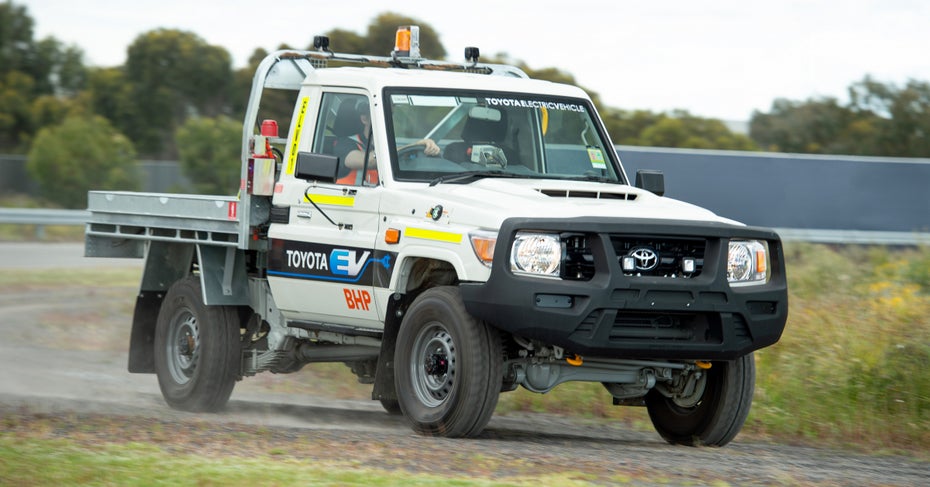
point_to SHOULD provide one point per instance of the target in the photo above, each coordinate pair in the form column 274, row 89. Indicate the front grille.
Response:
column 660, row 256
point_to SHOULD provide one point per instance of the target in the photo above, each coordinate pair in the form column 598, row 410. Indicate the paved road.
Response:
column 40, row 255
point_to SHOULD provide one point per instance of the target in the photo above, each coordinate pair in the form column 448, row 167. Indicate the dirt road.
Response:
column 63, row 361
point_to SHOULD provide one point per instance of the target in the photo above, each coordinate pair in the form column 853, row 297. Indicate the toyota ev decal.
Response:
column 304, row 260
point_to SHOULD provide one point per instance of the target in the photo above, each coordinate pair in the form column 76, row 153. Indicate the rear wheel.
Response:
column 197, row 349
column 448, row 366
column 717, row 416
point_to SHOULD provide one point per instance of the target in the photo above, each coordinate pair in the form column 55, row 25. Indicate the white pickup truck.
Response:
column 449, row 231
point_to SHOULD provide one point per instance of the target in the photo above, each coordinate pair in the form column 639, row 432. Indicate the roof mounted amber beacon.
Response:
column 407, row 43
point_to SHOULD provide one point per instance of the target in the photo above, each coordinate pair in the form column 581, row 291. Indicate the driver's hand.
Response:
column 431, row 148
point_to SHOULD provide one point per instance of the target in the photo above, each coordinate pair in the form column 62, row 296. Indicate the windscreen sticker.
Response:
column 549, row 105
column 597, row 158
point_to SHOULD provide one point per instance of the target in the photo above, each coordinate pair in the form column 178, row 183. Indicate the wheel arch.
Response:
column 417, row 272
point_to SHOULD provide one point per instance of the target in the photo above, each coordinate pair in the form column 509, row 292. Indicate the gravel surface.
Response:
column 64, row 375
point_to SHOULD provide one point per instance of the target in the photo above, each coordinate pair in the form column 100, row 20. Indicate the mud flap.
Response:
column 142, row 339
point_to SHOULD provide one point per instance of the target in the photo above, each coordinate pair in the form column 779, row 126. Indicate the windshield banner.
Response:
column 549, row 105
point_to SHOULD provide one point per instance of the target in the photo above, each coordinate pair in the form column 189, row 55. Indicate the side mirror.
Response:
column 317, row 167
column 651, row 180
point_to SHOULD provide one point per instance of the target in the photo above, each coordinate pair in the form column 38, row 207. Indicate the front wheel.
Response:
column 197, row 349
column 448, row 366
column 717, row 416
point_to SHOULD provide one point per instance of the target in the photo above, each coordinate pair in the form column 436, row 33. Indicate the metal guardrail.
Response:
column 853, row 237
column 44, row 217
column 41, row 217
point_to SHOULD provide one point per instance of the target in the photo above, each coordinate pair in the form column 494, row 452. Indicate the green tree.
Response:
column 69, row 73
column 900, row 116
column 625, row 127
column 342, row 40
column 53, row 67
column 677, row 128
column 172, row 75
column 210, row 153
column 15, row 114
column 82, row 153
column 48, row 110
column 110, row 95
column 17, row 49
column 879, row 120
column 816, row 126
column 29, row 70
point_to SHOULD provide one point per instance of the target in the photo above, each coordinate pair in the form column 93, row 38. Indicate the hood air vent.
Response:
column 565, row 193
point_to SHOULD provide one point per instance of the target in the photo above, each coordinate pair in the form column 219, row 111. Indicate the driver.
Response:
column 352, row 150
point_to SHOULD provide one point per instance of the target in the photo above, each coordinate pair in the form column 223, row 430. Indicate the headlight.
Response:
column 747, row 262
column 537, row 254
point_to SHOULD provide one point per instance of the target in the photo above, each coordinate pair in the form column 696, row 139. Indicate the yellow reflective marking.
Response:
column 433, row 235
column 292, row 157
column 331, row 200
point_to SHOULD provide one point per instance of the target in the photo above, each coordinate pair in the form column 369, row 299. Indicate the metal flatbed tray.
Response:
column 120, row 222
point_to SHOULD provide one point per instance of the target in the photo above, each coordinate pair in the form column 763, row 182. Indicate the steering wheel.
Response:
column 411, row 151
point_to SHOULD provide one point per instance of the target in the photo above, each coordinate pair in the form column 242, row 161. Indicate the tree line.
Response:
column 178, row 97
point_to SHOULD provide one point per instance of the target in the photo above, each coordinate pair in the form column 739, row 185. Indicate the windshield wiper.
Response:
column 473, row 175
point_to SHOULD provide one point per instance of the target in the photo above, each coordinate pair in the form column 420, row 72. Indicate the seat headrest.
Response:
column 478, row 130
column 347, row 122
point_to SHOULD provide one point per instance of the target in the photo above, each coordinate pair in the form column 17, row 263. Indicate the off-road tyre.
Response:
column 197, row 349
column 448, row 366
column 720, row 413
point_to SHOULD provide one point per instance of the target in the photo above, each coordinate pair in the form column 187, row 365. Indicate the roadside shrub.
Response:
column 851, row 365
column 82, row 153
column 210, row 151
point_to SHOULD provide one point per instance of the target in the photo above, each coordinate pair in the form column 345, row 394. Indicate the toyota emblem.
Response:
column 646, row 259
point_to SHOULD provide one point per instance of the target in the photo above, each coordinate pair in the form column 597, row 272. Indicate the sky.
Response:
column 715, row 58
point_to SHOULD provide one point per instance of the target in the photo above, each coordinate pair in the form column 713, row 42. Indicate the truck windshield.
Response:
column 501, row 134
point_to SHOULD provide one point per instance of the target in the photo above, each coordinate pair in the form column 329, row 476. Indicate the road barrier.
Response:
column 41, row 218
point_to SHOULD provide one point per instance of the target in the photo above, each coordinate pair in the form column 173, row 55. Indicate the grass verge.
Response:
column 39, row 451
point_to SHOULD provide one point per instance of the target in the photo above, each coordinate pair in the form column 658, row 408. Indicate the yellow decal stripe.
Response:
column 331, row 200
column 292, row 157
column 433, row 235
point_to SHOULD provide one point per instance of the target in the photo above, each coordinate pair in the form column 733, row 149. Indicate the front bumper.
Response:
column 623, row 316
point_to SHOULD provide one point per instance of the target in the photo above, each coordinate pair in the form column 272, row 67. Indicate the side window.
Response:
column 338, row 119
column 343, row 131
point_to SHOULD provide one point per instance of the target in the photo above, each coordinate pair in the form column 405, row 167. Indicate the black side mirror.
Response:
column 651, row 180
column 317, row 167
